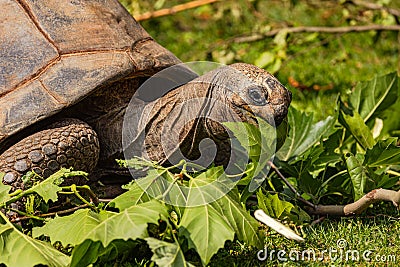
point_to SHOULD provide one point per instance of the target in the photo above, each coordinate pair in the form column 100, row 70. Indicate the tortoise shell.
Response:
column 55, row 53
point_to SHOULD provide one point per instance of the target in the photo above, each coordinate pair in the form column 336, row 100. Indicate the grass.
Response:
column 377, row 237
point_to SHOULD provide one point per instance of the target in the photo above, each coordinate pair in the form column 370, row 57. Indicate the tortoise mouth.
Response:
column 274, row 114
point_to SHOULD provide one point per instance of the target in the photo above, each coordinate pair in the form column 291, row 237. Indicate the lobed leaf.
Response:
column 86, row 253
column 370, row 98
column 355, row 124
column 209, row 186
column 163, row 185
column 272, row 205
column 80, row 223
column 105, row 226
column 260, row 144
column 303, row 133
column 135, row 195
column 206, row 230
column 207, row 227
column 245, row 226
column 49, row 187
column 90, row 252
column 203, row 226
column 18, row 249
column 248, row 136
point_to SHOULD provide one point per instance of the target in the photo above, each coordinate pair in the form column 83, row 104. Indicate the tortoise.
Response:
column 69, row 69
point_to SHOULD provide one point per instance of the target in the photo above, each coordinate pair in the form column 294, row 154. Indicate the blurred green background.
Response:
column 314, row 66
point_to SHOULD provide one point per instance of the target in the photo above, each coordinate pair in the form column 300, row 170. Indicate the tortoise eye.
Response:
column 257, row 95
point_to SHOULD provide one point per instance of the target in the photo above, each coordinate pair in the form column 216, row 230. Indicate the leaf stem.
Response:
column 15, row 193
column 329, row 179
column 169, row 187
column 20, row 194
column 74, row 189
column 241, row 173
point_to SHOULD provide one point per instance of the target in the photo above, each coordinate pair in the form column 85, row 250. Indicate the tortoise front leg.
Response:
column 66, row 143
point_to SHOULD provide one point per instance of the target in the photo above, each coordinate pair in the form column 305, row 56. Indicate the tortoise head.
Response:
column 254, row 92
column 196, row 110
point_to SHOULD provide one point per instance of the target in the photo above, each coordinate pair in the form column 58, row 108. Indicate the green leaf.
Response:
column 354, row 123
column 384, row 153
column 166, row 254
column 135, row 195
column 104, row 226
column 370, row 98
column 206, row 230
column 209, row 186
column 385, row 181
column 282, row 131
column 245, row 226
column 203, row 226
column 267, row 145
column 90, row 252
column 48, row 188
column 4, row 189
column 273, row 206
column 358, row 174
column 18, row 249
column 328, row 156
column 391, row 123
column 280, row 38
column 260, row 144
column 81, row 223
column 135, row 163
column 86, row 253
column 207, row 227
column 303, row 133
column 248, row 136
column 163, row 185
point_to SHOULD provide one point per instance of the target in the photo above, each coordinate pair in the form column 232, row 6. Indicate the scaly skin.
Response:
column 66, row 143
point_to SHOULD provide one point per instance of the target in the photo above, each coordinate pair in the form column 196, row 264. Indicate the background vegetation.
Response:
column 314, row 66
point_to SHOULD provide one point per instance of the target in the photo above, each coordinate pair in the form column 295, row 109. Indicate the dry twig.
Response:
column 344, row 29
column 360, row 205
column 374, row 6
column 173, row 10
column 354, row 208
